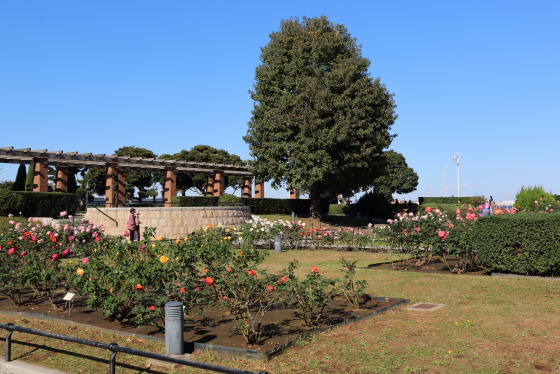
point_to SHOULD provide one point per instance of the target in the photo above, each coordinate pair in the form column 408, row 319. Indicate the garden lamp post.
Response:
column 456, row 160
column 444, row 175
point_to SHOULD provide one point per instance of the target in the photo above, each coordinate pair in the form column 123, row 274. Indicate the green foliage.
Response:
column 521, row 243
column 397, row 176
column 535, row 199
column 351, row 289
column 36, row 204
column 320, row 122
column 258, row 206
column 472, row 200
column 339, row 209
column 21, row 176
column 6, row 185
column 29, row 178
column 376, row 205
column 207, row 154
column 309, row 296
column 228, row 199
column 9, row 203
column 140, row 179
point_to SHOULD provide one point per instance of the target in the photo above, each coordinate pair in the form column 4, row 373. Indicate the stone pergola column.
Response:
column 169, row 185
column 247, row 187
column 115, row 183
column 294, row 193
column 61, row 180
column 219, row 183
column 41, row 175
column 210, row 186
column 259, row 190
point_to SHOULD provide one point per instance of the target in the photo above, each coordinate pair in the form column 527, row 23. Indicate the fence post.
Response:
column 174, row 328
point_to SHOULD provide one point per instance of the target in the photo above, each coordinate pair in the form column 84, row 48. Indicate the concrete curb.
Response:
column 20, row 367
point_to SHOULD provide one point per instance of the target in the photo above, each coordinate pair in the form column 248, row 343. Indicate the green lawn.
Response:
column 488, row 325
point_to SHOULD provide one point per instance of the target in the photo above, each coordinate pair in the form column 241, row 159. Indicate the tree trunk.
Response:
column 315, row 206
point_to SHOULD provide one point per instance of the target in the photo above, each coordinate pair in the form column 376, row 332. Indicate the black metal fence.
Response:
column 115, row 348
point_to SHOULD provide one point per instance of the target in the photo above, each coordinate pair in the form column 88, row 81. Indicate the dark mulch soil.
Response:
column 214, row 326
column 432, row 265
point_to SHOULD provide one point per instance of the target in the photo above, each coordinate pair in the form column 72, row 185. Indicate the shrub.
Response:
column 521, row 243
column 228, row 199
column 339, row 209
column 375, row 205
column 535, row 199
column 9, row 203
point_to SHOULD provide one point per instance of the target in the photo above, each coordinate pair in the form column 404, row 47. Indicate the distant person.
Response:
column 133, row 225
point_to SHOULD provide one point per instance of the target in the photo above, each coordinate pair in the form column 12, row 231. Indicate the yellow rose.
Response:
column 177, row 241
column 153, row 245
column 186, row 239
column 160, row 238
column 163, row 259
column 80, row 271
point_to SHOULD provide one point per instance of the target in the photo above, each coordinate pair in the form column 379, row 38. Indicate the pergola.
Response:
column 116, row 167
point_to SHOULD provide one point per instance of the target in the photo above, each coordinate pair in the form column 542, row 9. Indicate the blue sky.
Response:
column 479, row 78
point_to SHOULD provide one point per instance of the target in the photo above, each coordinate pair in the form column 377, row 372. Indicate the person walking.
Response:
column 133, row 225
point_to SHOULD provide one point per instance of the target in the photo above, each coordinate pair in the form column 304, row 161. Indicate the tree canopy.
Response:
column 208, row 154
column 135, row 179
column 397, row 176
column 320, row 122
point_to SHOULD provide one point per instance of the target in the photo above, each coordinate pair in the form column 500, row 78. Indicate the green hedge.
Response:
column 339, row 209
column 520, row 243
column 36, row 204
column 258, row 206
column 473, row 200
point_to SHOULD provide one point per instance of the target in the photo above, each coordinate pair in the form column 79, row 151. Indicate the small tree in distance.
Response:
column 21, row 176
column 320, row 122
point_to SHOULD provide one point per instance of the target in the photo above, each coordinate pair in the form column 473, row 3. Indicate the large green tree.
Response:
column 320, row 122
column 207, row 154
column 397, row 176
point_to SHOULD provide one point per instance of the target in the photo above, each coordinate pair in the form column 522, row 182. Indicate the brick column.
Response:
column 169, row 185
column 247, row 186
column 115, row 185
column 294, row 193
column 61, row 180
column 41, row 175
column 210, row 186
column 121, row 196
column 259, row 190
column 219, row 183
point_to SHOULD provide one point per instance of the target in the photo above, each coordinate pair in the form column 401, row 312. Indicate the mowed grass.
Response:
column 488, row 325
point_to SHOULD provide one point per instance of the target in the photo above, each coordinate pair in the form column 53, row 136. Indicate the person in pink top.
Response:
column 133, row 225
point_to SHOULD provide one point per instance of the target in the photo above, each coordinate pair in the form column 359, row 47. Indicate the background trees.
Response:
column 319, row 123
column 208, row 154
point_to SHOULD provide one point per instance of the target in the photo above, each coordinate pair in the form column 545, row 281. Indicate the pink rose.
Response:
column 85, row 260
column 55, row 256
column 428, row 209
column 97, row 239
column 11, row 250
column 23, row 253
column 65, row 252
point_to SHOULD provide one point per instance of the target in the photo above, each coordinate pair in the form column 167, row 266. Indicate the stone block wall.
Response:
column 171, row 223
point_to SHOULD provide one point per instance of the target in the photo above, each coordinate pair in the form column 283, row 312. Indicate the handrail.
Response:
column 105, row 214
column 115, row 348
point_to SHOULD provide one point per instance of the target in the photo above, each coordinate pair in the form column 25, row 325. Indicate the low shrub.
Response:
column 535, row 199
column 521, row 243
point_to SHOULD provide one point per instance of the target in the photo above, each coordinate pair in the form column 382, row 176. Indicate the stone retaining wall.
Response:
column 171, row 223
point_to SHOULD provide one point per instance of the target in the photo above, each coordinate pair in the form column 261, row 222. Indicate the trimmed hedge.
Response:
column 258, row 206
column 339, row 209
column 473, row 200
column 519, row 243
column 36, row 204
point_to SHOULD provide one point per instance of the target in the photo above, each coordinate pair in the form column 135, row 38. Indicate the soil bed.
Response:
column 214, row 326
column 434, row 265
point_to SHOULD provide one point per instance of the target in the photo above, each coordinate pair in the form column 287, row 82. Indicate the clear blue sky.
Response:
column 476, row 77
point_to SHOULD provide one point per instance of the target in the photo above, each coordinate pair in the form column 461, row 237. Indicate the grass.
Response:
column 488, row 325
